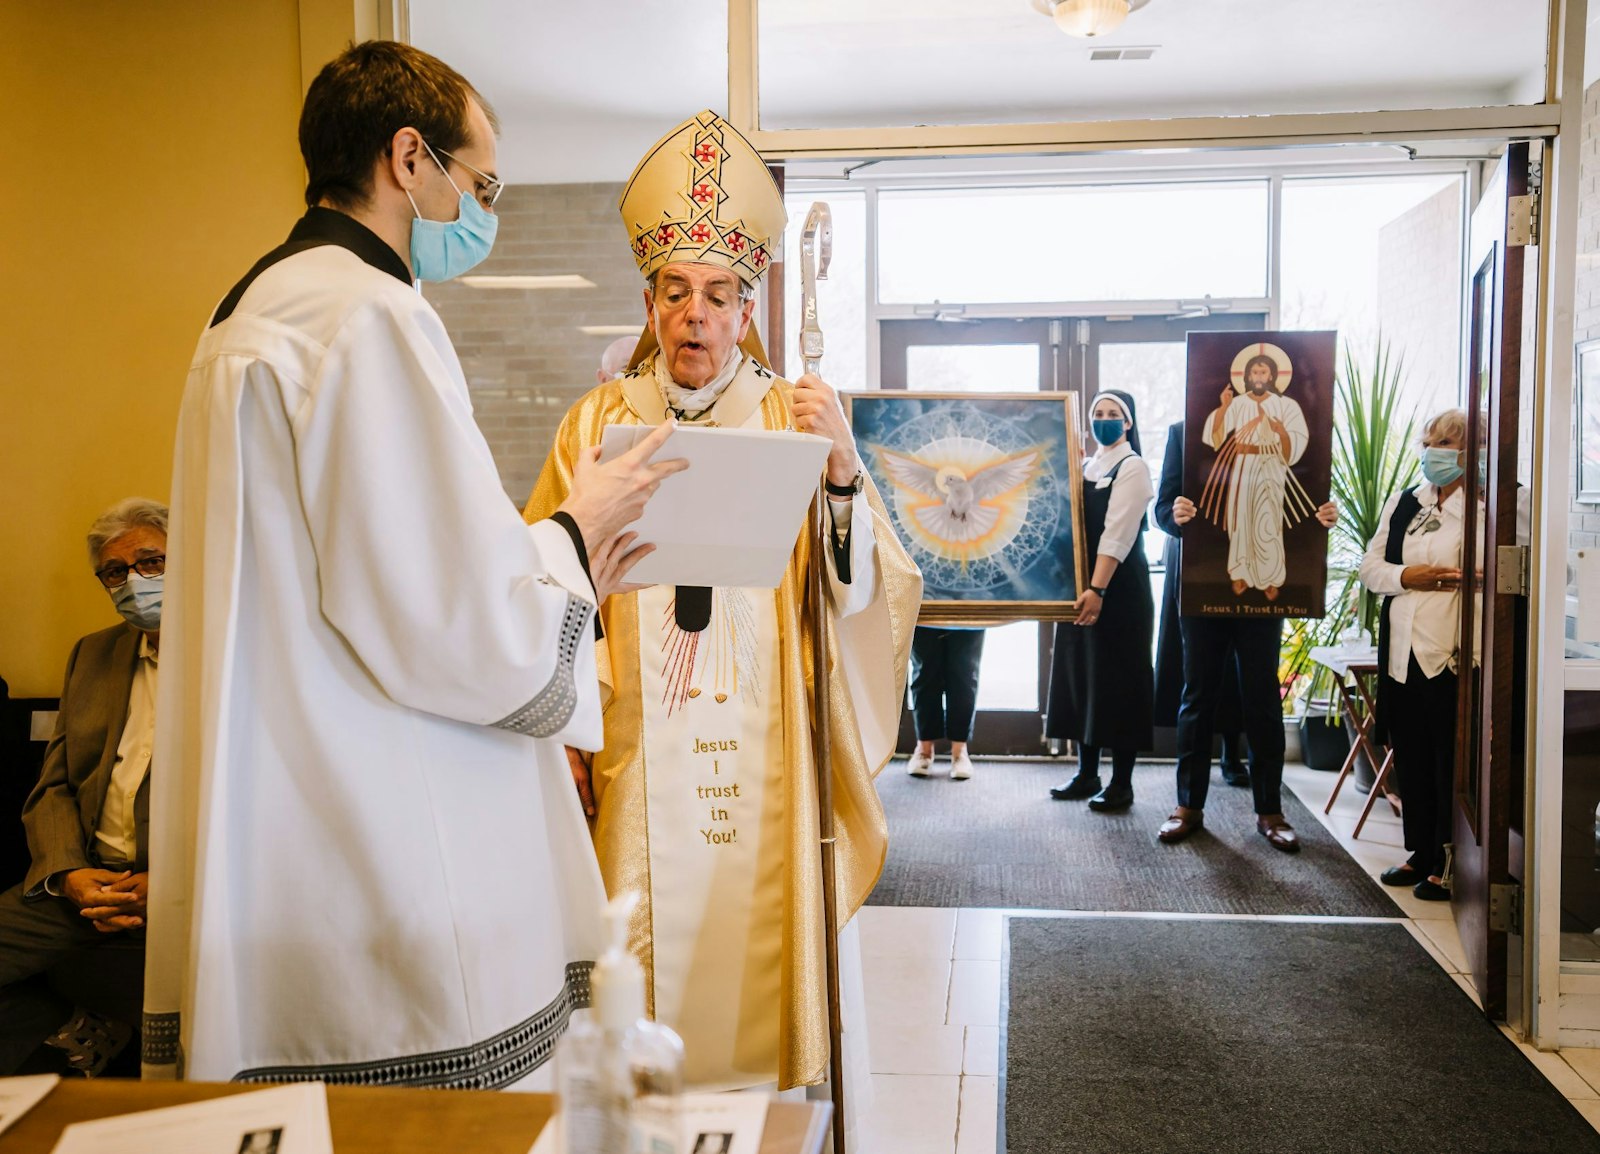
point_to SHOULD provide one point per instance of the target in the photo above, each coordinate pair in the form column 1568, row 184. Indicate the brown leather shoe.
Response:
column 1276, row 829
column 1181, row 824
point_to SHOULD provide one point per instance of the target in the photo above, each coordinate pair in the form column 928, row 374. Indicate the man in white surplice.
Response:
column 369, row 864
column 1269, row 435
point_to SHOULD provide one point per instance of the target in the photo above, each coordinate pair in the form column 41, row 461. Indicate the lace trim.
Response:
column 552, row 707
column 491, row 1064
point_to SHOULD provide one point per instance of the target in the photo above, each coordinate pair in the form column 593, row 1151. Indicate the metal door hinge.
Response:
column 1505, row 909
column 1511, row 570
column 1522, row 219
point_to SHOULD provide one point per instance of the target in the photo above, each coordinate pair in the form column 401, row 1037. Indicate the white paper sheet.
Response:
column 712, row 1124
column 289, row 1119
column 732, row 517
column 19, row 1095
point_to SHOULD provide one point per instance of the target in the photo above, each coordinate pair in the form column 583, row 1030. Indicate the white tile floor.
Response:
column 933, row 993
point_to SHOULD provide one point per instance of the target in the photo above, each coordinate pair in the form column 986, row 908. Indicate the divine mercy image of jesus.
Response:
column 1258, row 471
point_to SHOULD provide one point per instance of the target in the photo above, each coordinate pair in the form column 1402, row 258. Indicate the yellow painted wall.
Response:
column 149, row 159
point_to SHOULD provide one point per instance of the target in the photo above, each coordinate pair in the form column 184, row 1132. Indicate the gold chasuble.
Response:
column 707, row 773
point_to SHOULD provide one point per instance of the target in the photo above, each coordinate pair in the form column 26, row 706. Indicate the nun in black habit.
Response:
column 1100, row 677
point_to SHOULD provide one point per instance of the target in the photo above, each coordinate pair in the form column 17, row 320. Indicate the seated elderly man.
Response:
column 81, row 908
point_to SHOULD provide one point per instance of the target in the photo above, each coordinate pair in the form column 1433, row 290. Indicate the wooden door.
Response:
column 1488, row 729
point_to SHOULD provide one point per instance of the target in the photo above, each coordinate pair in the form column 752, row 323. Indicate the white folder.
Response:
column 733, row 516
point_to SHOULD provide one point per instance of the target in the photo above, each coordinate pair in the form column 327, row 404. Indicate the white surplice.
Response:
column 368, row 863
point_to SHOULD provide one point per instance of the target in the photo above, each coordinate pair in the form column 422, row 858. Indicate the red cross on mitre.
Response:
column 643, row 246
column 705, row 152
column 700, row 233
column 760, row 257
column 666, row 234
column 736, row 242
column 702, row 193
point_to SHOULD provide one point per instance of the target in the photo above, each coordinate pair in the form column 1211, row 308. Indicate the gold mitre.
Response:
column 703, row 193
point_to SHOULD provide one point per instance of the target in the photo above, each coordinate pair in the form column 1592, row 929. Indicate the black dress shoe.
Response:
column 1236, row 775
column 1401, row 875
column 1431, row 891
column 1077, row 789
column 1112, row 799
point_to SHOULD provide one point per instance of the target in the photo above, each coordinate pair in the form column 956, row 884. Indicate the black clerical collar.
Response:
column 330, row 226
column 318, row 227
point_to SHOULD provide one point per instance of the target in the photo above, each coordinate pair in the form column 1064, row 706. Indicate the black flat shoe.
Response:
column 1112, row 799
column 1236, row 775
column 1431, row 891
column 1077, row 789
column 1401, row 875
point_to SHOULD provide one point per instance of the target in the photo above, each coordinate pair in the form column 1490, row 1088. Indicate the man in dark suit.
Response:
column 1210, row 645
column 80, row 910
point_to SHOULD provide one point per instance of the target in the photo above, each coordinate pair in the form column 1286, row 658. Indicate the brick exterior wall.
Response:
column 524, row 358
column 1419, row 298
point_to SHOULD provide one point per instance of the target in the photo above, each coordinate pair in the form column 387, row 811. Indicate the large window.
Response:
column 1087, row 243
column 841, row 296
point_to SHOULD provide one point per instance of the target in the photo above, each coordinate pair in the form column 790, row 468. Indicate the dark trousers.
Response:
column 47, row 939
column 944, row 681
column 1209, row 643
column 1421, row 715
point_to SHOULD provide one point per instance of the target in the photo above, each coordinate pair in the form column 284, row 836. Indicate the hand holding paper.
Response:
column 731, row 519
column 609, row 495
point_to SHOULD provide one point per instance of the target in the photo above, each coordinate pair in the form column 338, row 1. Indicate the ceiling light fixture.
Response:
column 1088, row 18
column 558, row 281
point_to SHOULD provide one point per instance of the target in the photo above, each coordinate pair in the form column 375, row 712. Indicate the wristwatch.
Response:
column 1096, row 589
column 850, row 490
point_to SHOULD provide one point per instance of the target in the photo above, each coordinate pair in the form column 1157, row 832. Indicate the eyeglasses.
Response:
column 115, row 575
column 722, row 299
column 488, row 188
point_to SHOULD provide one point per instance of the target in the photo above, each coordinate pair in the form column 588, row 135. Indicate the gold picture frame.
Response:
column 906, row 439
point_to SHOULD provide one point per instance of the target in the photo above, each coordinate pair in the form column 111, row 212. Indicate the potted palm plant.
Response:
column 1372, row 460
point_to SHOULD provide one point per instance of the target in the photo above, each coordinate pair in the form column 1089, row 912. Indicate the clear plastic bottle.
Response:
column 618, row 1074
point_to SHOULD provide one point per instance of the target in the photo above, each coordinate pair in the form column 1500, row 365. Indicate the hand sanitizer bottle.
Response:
column 619, row 1075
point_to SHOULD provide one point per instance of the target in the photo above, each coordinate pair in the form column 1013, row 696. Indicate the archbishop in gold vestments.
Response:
column 868, row 653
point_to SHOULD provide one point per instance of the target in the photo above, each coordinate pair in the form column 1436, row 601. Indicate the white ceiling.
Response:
column 583, row 89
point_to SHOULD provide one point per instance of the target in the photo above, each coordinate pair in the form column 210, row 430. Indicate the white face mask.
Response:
column 138, row 599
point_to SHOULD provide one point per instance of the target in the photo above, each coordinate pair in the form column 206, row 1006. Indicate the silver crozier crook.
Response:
column 816, row 250
column 816, row 247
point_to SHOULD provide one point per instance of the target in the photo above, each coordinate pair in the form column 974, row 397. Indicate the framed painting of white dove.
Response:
column 984, row 492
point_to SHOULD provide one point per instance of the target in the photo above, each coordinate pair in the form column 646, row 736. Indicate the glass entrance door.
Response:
column 1144, row 356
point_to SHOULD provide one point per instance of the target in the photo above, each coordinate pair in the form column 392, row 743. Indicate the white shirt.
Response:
column 1425, row 622
column 1131, row 494
column 116, row 837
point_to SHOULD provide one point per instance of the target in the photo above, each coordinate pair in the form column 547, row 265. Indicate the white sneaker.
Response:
column 920, row 764
column 960, row 767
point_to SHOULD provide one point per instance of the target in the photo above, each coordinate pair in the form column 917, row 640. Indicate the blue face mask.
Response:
column 138, row 599
column 1441, row 466
column 444, row 249
column 1108, row 430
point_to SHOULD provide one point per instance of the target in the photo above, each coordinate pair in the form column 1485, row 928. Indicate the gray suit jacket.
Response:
column 64, row 808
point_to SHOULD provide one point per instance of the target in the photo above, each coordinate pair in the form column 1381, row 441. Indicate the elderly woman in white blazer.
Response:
column 1414, row 561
